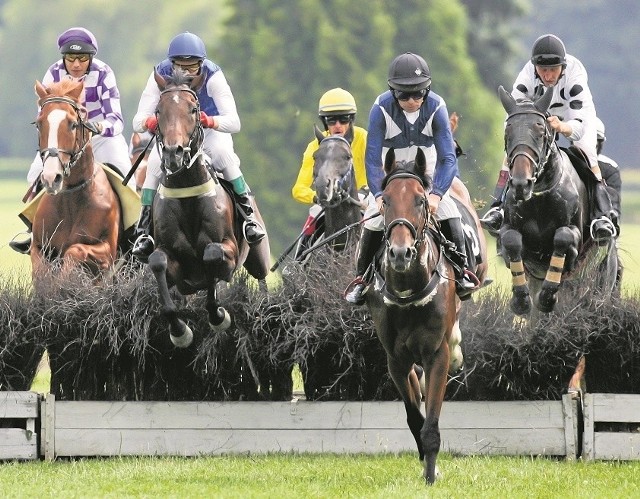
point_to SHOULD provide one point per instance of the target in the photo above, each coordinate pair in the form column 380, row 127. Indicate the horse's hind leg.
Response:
column 520, row 303
column 214, row 258
column 181, row 334
column 565, row 243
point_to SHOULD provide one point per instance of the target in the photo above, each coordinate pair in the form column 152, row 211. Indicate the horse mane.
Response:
column 178, row 78
column 406, row 168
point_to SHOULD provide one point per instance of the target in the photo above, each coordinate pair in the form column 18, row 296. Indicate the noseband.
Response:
column 75, row 154
column 523, row 130
column 195, row 138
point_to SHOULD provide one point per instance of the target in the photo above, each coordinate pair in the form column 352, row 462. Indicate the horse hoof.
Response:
column 185, row 340
column 546, row 302
column 520, row 307
column 225, row 320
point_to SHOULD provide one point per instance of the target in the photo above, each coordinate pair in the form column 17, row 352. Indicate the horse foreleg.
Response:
column 97, row 257
column 410, row 396
column 512, row 245
column 565, row 241
column 436, row 382
column 214, row 258
column 181, row 334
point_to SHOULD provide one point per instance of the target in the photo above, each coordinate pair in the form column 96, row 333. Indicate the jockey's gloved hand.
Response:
column 94, row 127
column 207, row 121
column 151, row 123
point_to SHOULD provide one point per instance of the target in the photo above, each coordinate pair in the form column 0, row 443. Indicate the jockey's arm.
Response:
column 147, row 105
column 218, row 89
column 302, row 190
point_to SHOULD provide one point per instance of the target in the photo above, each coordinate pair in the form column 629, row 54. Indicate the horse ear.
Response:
column 542, row 103
column 420, row 163
column 508, row 102
column 390, row 161
column 159, row 79
column 318, row 133
column 41, row 90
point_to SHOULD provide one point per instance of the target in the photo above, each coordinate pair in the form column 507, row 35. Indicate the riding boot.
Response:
column 602, row 227
column 466, row 281
column 370, row 241
column 23, row 247
column 492, row 219
column 253, row 231
column 144, row 243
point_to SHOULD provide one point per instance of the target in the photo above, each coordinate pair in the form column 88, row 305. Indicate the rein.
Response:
column 54, row 152
column 543, row 155
column 196, row 138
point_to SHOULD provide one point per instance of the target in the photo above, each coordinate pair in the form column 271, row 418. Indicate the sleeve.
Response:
column 580, row 108
column 373, row 156
column 218, row 89
column 112, row 123
column 147, row 104
column 524, row 85
column 358, row 148
column 446, row 164
column 301, row 190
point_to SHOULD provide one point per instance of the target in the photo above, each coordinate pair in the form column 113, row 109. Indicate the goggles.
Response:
column 547, row 60
column 344, row 119
column 191, row 69
column 404, row 96
column 76, row 57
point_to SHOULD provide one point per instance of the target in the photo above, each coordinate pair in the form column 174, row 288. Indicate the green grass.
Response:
column 321, row 476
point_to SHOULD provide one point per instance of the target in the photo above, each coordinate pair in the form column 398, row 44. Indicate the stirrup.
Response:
column 258, row 232
column 23, row 247
column 492, row 220
column 143, row 247
column 355, row 291
column 604, row 231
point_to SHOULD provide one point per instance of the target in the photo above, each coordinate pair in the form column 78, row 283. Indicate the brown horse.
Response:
column 414, row 303
column 199, row 242
column 78, row 219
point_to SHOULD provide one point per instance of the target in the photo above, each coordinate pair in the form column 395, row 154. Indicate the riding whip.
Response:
column 138, row 161
column 293, row 244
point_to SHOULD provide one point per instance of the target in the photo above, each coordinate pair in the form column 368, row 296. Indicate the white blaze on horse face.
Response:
column 176, row 98
column 52, row 166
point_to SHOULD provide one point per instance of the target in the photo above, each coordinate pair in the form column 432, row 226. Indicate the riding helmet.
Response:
column 186, row 46
column 336, row 102
column 548, row 50
column 409, row 73
column 77, row 41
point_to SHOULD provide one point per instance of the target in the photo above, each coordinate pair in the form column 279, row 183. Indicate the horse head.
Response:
column 63, row 133
column 528, row 138
column 179, row 133
column 333, row 173
column 405, row 208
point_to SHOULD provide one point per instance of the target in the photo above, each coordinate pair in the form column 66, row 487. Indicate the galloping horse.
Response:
column 413, row 301
column 545, row 235
column 78, row 218
column 198, row 235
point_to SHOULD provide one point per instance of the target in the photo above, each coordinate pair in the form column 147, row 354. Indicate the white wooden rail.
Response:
column 213, row 428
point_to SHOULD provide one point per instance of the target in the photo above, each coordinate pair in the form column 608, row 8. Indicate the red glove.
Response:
column 207, row 121
column 151, row 123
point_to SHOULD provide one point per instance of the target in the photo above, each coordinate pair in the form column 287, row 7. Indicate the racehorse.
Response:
column 78, row 218
column 545, row 235
column 413, row 301
column 197, row 231
column 334, row 181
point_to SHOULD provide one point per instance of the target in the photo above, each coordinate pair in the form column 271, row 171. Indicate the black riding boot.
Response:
column 602, row 227
column 452, row 230
column 253, row 231
column 370, row 241
column 144, row 243
column 492, row 219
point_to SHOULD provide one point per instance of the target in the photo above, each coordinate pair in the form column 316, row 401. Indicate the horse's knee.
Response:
column 158, row 261
column 564, row 239
column 511, row 243
column 214, row 254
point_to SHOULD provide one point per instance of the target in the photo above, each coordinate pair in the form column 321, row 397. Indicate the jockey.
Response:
column 337, row 112
column 574, row 116
column 220, row 119
column 78, row 47
column 406, row 117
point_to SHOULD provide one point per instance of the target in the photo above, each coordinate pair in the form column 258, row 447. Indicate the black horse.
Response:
column 198, row 238
column 545, row 235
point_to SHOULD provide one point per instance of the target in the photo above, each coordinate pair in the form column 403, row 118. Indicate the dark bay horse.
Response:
column 78, row 219
column 545, row 234
column 413, row 302
column 198, row 237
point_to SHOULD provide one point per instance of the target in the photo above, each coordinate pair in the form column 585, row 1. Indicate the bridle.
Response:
column 196, row 137
column 75, row 154
column 523, row 130
column 342, row 187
